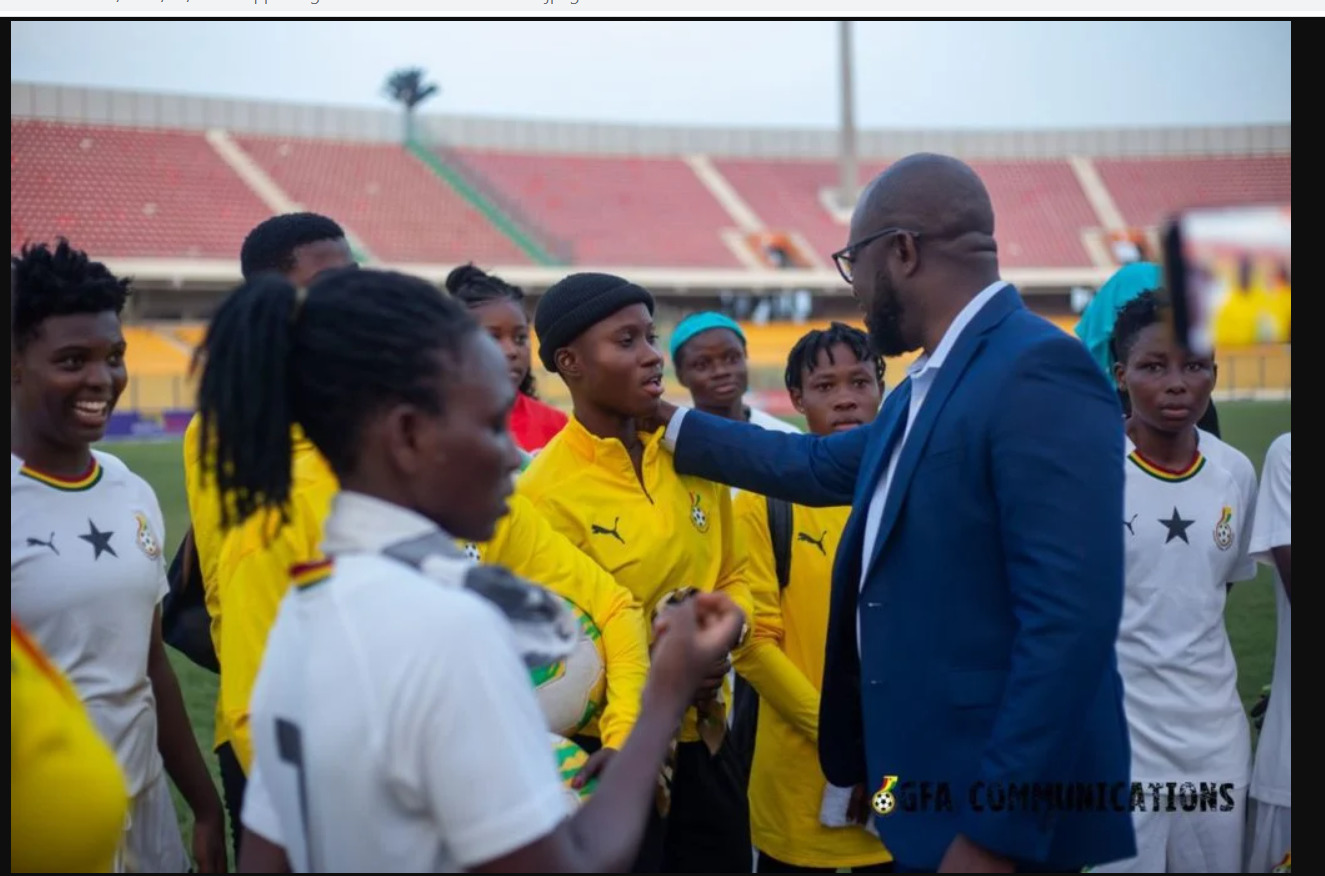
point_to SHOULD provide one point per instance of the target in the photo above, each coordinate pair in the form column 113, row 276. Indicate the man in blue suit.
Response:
column 979, row 584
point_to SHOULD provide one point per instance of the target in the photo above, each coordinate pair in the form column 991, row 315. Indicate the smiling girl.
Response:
column 85, row 562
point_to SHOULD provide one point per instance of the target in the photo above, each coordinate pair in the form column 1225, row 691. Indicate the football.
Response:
column 573, row 691
column 570, row 759
column 884, row 802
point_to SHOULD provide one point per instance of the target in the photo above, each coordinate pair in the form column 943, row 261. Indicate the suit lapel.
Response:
column 963, row 353
column 888, row 430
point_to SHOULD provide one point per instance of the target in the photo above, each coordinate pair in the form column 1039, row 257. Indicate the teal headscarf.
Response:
column 1096, row 325
column 697, row 323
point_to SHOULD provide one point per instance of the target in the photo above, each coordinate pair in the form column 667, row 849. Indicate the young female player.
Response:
column 837, row 384
column 498, row 307
column 86, row 538
column 709, row 353
column 1095, row 328
column 1186, row 528
column 394, row 725
column 612, row 490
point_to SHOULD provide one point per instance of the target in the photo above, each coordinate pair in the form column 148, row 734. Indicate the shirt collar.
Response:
column 592, row 449
column 360, row 523
column 934, row 361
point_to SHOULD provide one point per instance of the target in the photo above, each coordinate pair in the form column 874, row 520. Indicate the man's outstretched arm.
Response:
column 804, row 469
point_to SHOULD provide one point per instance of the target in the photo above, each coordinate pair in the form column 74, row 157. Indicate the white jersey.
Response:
column 395, row 728
column 1186, row 536
column 1272, row 780
column 768, row 421
column 85, row 577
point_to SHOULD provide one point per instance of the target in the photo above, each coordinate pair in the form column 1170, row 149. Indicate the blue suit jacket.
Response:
column 990, row 607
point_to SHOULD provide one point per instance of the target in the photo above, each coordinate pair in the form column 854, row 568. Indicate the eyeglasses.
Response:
column 845, row 258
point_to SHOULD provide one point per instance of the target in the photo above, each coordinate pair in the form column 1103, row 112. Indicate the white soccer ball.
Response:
column 572, row 692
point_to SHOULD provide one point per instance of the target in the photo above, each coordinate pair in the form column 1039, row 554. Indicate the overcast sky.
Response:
column 908, row 74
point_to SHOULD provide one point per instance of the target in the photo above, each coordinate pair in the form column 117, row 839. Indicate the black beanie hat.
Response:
column 575, row 303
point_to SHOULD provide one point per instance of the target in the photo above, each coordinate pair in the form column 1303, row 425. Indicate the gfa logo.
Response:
column 884, row 802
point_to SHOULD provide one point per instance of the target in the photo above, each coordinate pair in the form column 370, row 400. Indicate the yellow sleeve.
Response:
column 762, row 661
column 67, row 795
column 526, row 543
column 732, row 574
column 254, row 575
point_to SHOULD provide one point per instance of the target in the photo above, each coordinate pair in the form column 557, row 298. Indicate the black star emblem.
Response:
column 1176, row 526
column 99, row 540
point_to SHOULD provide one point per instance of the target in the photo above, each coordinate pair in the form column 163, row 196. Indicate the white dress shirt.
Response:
column 922, row 372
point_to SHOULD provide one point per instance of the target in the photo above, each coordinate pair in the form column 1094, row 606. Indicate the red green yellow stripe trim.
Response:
column 39, row 659
column 86, row 481
column 1164, row 474
column 305, row 575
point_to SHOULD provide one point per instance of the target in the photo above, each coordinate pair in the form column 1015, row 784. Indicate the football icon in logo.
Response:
column 884, row 802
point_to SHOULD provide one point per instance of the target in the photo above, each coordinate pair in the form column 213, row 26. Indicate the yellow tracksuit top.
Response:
column 524, row 542
column 205, row 517
column 671, row 532
column 784, row 661
column 67, row 795
column 243, row 549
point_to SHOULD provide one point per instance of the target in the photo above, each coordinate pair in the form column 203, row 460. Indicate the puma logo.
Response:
column 817, row 542
column 36, row 542
column 603, row 530
column 1128, row 524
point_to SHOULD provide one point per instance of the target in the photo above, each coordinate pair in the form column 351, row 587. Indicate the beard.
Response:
column 884, row 321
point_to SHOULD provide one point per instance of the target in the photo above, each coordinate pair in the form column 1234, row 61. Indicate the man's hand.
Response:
column 596, row 763
column 209, row 842
column 964, row 856
column 661, row 417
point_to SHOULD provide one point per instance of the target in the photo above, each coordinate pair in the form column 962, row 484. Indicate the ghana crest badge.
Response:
column 1224, row 529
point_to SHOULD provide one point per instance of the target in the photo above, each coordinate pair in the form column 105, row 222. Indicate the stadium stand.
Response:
column 126, row 192
column 616, row 211
column 166, row 187
column 403, row 212
column 1148, row 189
column 1040, row 205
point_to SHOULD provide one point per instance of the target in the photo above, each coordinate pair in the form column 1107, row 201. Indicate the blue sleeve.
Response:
column 1057, row 461
column 804, row 469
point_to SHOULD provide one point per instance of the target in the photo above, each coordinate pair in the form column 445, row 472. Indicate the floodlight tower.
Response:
column 847, row 145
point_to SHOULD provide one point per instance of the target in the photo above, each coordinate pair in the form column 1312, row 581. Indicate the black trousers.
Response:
column 233, row 783
column 708, row 829
column 769, row 864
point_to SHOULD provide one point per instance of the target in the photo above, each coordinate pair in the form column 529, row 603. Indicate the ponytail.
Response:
column 274, row 357
column 244, row 397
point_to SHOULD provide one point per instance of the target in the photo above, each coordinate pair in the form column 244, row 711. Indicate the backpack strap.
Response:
column 779, row 530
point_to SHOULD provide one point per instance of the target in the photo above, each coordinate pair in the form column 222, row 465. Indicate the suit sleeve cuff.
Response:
column 674, row 428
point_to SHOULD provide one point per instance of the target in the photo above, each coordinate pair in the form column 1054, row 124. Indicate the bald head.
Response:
column 935, row 195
